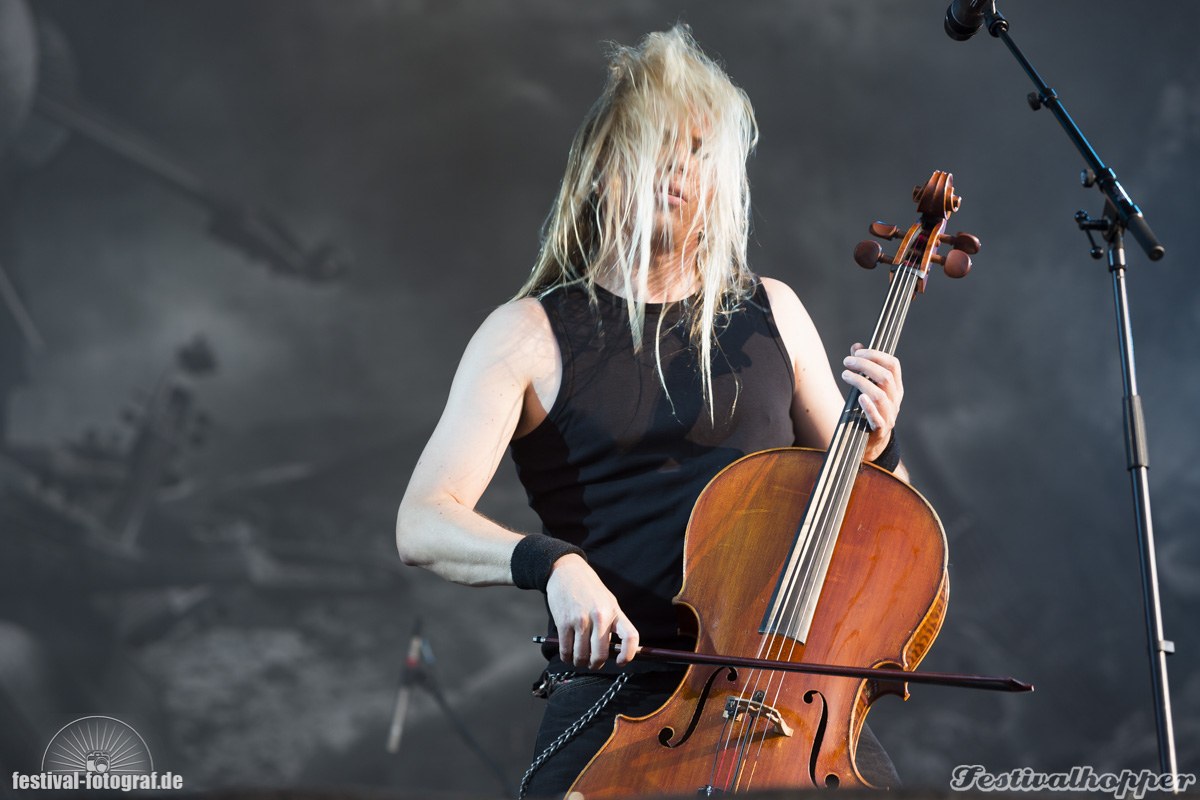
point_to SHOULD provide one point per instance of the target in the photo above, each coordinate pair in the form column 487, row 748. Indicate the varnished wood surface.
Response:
column 882, row 604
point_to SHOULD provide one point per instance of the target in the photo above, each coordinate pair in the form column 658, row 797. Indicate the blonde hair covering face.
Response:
column 621, row 161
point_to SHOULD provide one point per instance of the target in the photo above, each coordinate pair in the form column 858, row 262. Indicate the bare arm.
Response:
column 818, row 402
column 437, row 526
column 507, row 378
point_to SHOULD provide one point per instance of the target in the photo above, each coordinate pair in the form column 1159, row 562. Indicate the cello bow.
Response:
column 960, row 680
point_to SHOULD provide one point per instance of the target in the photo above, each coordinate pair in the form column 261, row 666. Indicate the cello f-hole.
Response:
column 664, row 736
column 818, row 738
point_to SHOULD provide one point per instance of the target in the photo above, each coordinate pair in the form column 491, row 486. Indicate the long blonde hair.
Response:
column 657, row 93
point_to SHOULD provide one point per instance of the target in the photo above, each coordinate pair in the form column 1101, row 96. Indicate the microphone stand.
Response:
column 1121, row 215
column 416, row 673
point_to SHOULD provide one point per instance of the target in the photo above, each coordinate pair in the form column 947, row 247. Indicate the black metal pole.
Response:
column 1123, row 214
column 1137, row 462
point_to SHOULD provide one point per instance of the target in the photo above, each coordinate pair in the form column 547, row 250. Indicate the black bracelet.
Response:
column 889, row 459
column 534, row 557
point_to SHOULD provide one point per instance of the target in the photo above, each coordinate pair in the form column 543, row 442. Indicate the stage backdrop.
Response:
column 247, row 242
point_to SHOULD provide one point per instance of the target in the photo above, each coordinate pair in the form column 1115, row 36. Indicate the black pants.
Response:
column 642, row 694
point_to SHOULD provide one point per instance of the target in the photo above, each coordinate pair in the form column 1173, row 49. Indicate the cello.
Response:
column 804, row 558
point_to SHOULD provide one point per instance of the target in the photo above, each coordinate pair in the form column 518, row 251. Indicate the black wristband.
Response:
column 534, row 557
column 889, row 459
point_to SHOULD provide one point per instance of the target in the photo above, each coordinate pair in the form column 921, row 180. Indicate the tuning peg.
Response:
column 885, row 231
column 956, row 263
column 868, row 253
column 962, row 241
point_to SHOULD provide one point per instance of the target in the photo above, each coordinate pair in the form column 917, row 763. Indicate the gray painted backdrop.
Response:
column 428, row 138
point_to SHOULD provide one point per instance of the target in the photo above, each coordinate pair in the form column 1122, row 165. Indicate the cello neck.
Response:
column 849, row 442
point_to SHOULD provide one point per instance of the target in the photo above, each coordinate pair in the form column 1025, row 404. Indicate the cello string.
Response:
column 755, row 677
column 750, row 688
column 820, row 531
column 886, row 340
column 846, row 439
column 844, row 465
column 774, row 681
column 851, row 445
column 855, row 441
column 846, row 469
column 717, row 761
column 817, row 548
column 886, row 337
column 840, row 448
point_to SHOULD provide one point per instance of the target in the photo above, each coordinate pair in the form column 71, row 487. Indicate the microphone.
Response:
column 408, row 676
column 964, row 18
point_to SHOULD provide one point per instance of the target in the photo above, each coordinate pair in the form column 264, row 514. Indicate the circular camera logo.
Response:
column 98, row 745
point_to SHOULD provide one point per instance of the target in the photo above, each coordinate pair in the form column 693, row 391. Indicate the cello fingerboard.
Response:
column 790, row 612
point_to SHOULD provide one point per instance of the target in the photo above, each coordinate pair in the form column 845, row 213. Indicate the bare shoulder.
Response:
column 791, row 317
column 517, row 334
column 774, row 287
column 524, row 317
column 799, row 334
column 514, row 354
column 818, row 401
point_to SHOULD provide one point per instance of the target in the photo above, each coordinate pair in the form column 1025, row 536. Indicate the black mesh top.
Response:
column 617, row 464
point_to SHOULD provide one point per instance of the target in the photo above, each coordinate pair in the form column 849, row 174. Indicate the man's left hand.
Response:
column 877, row 377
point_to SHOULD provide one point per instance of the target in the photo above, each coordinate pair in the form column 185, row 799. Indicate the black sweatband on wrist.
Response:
column 534, row 557
column 889, row 459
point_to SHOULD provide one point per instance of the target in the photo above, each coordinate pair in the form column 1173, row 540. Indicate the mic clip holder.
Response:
column 995, row 21
column 1038, row 99
column 1087, row 225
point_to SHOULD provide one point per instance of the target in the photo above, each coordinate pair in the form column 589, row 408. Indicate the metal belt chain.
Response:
column 570, row 732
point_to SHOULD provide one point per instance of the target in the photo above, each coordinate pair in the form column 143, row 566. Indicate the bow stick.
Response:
column 989, row 682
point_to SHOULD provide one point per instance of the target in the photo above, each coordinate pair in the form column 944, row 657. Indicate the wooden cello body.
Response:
column 882, row 605
column 803, row 556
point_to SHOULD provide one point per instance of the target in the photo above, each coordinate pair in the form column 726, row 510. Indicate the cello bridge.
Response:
column 737, row 707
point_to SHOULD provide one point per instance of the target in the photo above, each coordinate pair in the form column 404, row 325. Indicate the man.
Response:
column 641, row 357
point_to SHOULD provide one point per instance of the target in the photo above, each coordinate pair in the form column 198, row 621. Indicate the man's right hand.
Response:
column 587, row 615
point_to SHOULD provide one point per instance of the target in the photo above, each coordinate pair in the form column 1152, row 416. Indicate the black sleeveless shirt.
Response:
column 618, row 463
